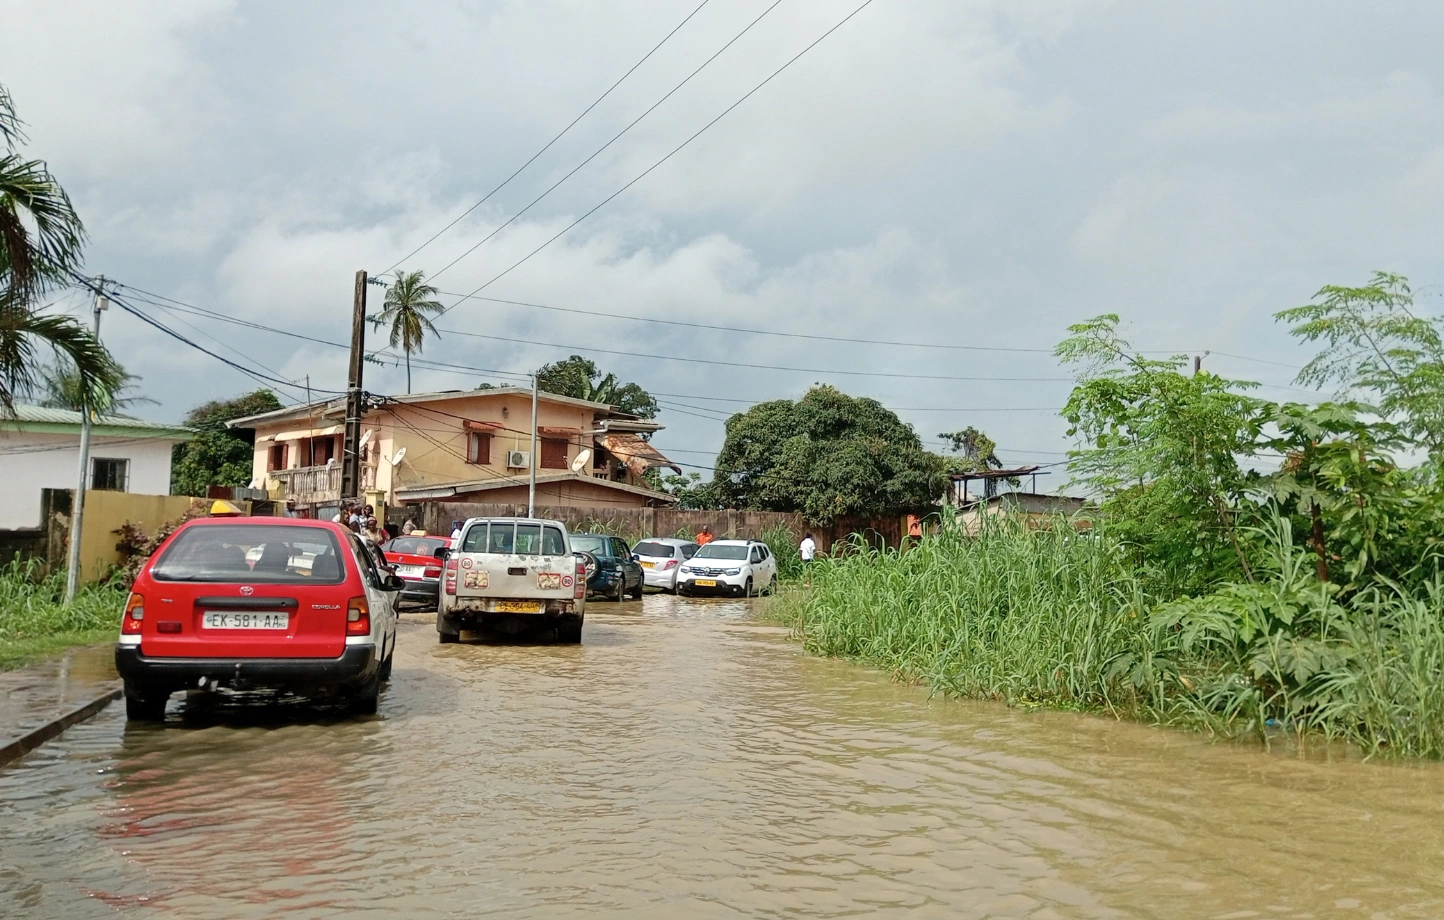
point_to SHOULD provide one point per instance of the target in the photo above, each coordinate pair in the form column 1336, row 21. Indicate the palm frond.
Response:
column 99, row 376
column 31, row 263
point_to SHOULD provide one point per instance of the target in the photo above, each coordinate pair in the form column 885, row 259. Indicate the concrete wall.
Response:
column 636, row 523
column 30, row 462
column 105, row 512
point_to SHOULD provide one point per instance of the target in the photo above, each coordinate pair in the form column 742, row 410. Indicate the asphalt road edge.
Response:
column 19, row 747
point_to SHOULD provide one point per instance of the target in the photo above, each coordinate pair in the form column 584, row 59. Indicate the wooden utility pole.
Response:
column 351, row 450
column 1197, row 364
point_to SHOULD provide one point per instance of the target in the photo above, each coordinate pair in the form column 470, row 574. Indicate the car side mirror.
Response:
column 441, row 552
column 636, row 558
column 392, row 583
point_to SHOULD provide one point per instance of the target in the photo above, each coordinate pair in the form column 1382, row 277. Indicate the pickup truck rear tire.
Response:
column 569, row 632
column 448, row 638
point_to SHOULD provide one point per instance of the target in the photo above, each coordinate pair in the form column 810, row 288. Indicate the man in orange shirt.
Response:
column 704, row 536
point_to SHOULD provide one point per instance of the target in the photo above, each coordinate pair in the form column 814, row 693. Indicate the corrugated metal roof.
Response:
column 41, row 415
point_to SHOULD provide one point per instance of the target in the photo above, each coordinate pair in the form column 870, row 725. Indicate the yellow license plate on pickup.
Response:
column 706, row 582
column 518, row 607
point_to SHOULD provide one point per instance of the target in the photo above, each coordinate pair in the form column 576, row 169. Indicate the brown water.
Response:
column 687, row 761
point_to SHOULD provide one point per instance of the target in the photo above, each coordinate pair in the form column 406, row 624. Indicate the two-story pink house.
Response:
column 472, row 445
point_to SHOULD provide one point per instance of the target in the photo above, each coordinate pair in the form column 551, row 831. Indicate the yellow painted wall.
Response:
column 107, row 511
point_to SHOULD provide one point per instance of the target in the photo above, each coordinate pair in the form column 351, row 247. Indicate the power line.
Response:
column 549, row 143
column 739, row 329
column 609, row 143
column 664, row 159
column 770, row 367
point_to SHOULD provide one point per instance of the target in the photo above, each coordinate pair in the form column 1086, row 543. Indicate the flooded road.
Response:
column 688, row 761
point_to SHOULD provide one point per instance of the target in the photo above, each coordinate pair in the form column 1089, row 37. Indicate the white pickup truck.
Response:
column 512, row 575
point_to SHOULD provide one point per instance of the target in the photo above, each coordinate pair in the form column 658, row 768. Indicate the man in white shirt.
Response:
column 807, row 549
column 455, row 534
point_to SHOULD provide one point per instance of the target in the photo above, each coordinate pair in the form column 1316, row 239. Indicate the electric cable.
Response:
column 609, row 143
column 674, row 152
column 549, row 143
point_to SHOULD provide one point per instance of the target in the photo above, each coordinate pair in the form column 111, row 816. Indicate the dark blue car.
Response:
column 612, row 570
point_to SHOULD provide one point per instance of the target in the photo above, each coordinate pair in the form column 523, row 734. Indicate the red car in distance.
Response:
column 417, row 561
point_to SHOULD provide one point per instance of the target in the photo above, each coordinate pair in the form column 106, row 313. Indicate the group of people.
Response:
column 362, row 521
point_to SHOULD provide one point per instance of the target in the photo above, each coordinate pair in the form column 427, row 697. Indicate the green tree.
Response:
column 827, row 455
column 62, row 388
column 1163, row 450
column 580, row 378
column 410, row 303
column 218, row 455
column 1378, row 349
column 41, row 239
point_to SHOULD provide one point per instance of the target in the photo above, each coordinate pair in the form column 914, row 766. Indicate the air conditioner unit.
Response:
column 518, row 460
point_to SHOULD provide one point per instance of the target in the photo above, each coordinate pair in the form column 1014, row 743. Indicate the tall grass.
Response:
column 783, row 543
column 1053, row 617
column 1012, row 614
column 34, row 621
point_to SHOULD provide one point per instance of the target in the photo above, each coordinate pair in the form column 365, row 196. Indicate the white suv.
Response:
column 738, row 567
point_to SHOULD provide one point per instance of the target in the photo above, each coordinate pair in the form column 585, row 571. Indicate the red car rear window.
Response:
column 254, row 553
column 415, row 546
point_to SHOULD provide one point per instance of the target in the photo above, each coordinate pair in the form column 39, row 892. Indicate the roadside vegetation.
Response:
column 1251, row 567
column 34, row 621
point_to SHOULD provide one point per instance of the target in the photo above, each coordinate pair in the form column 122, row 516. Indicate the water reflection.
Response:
column 686, row 761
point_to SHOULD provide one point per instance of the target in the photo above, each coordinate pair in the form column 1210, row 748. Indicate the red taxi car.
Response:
column 417, row 561
column 258, row 603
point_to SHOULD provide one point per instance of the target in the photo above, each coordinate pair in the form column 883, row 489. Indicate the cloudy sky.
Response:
column 939, row 172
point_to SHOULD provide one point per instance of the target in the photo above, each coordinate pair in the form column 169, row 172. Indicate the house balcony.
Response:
column 317, row 485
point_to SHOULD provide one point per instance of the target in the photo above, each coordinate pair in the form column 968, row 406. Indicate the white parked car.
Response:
column 738, row 567
column 662, row 559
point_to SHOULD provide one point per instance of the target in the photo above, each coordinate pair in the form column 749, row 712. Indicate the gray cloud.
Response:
column 952, row 173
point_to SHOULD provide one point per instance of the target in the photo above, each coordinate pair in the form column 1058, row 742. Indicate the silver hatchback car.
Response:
column 661, row 559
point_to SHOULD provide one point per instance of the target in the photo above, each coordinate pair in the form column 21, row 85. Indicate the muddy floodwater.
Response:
column 688, row 761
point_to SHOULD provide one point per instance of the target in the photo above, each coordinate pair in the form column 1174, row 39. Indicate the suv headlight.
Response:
column 686, row 570
column 733, row 572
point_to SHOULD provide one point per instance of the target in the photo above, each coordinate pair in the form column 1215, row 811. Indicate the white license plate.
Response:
column 410, row 571
column 215, row 619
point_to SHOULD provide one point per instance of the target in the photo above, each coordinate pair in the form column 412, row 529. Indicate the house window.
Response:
column 112, row 475
column 323, row 450
column 478, row 447
column 553, row 454
column 277, row 457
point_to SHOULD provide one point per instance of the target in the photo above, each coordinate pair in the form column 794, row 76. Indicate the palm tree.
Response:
column 60, row 387
column 33, row 262
column 408, row 303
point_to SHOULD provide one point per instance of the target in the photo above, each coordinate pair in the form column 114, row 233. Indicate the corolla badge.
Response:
column 247, row 590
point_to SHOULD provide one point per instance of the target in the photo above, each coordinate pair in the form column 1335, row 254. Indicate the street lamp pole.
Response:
column 531, row 483
column 77, row 505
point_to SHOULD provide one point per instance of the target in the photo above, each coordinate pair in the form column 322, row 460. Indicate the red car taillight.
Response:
column 581, row 588
column 451, row 569
column 358, row 617
column 134, row 614
column 671, row 564
column 431, row 571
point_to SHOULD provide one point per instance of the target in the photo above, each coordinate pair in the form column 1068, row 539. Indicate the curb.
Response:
column 32, row 739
